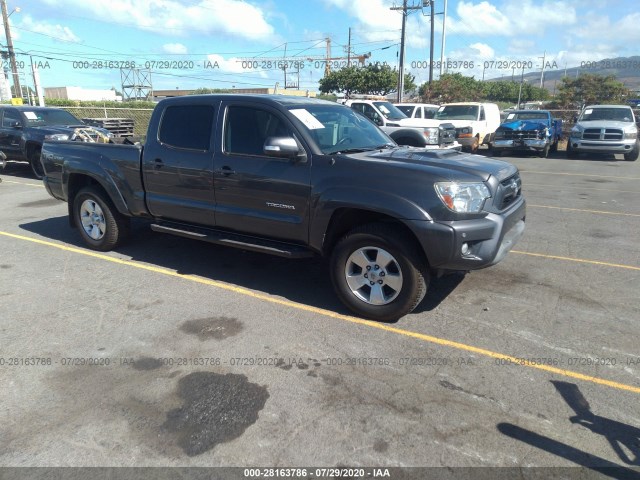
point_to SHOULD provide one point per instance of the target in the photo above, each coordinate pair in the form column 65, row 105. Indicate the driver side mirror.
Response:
column 283, row 147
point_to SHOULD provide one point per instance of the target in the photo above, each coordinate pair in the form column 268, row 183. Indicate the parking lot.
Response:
column 170, row 352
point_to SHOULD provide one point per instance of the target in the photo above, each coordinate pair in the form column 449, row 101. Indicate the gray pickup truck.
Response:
column 605, row 129
column 297, row 177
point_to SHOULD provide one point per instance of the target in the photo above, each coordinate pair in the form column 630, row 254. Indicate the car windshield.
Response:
column 390, row 111
column 338, row 128
column 457, row 112
column 49, row 117
column 616, row 114
column 527, row 116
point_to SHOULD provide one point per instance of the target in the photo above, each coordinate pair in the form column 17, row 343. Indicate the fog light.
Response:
column 465, row 248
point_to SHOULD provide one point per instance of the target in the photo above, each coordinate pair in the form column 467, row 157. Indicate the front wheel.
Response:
column 377, row 273
column 101, row 226
column 632, row 156
column 544, row 153
column 571, row 153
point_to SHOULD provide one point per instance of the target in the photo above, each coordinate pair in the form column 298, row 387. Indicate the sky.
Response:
column 242, row 43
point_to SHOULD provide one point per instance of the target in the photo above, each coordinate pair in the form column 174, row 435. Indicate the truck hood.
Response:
column 419, row 122
column 462, row 163
column 526, row 125
column 606, row 124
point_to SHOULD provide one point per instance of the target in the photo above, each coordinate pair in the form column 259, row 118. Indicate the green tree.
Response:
column 591, row 89
column 373, row 79
column 452, row 87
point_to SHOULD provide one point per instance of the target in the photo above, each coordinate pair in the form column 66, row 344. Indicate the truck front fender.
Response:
column 367, row 200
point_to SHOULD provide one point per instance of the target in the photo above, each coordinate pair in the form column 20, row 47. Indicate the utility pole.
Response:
column 349, row 49
column 431, row 45
column 544, row 56
column 444, row 36
column 12, row 54
column 36, row 83
column 404, row 9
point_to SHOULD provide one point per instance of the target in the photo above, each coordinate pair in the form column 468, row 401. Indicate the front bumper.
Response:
column 466, row 141
column 488, row 239
column 617, row 146
column 527, row 144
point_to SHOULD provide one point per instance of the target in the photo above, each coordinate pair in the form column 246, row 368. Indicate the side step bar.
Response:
column 244, row 242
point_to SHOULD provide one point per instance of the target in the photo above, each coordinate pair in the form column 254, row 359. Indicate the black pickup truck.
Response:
column 297, row 177
column 24, row 129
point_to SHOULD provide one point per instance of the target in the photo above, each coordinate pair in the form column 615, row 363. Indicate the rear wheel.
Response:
column 377, row 274
column 36, row 164
column 632, row 156
column 101, row 226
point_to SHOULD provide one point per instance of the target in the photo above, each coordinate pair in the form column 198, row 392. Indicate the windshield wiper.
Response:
column 352, row 150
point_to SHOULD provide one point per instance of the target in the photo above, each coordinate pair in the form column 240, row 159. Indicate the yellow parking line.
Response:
column 580, row 174
column 527, row 184
column 22, row 183
column 586, row 211
column 346, row 318
column 580, row 260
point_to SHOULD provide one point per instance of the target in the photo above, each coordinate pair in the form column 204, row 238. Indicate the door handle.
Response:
column 158, row 164
column 226, row 171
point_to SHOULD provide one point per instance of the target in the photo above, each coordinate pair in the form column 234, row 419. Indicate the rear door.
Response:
column 256, row 193
column 178, row 165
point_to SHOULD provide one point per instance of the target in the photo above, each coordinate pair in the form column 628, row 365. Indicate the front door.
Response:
column 11, row 133
column 256, row 193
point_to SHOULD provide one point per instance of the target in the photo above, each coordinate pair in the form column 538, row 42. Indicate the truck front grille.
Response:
column 602, row 134
column 510, row 190
column 520, row 134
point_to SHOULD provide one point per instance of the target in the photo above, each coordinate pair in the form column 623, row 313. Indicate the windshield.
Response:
column 338, row 128
column 390, row 111
column 527, row 116
column 616, row 114
column 49, row 117
column 457, row 112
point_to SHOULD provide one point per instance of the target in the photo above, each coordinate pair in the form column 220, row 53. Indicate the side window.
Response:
column 247, row 128
column 418, row 112
column 482, row 117
column 10, row 118
column 187, row 126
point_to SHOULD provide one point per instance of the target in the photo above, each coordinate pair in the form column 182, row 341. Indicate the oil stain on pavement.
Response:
column 217, row 328
column 217, row 408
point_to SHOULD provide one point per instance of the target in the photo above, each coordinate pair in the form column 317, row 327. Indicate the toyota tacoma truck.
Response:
column 528, row 131
column 605, row 129
column 414, row 132
column 23, row 130
column 297, row 177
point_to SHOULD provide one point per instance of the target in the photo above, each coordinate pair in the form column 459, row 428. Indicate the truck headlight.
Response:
column 431, row 134
column 576, row 132
column 499, row 134
column 57, row 137
column 465, row 132
column 631, row 135
column 462, row 197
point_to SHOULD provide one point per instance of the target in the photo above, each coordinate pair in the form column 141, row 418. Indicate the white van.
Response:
column 475, row 122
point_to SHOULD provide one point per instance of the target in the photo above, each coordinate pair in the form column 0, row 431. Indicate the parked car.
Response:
column 297, row 177
column 24, row 129
column 418, row 110
column 475, row 122
column 414, row 132
column 605, row 129
column 528, row 131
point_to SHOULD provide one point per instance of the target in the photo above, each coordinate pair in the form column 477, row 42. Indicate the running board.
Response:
column 244, row 242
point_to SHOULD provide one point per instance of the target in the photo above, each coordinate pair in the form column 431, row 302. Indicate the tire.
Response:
column 101, row 226
column 353, row 263
column 571, row 153
column 36, row 164
column 544, row 153
column 554, row 146
column 632, row 156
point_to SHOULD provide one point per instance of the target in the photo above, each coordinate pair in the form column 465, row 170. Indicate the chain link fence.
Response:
column 140, row 116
